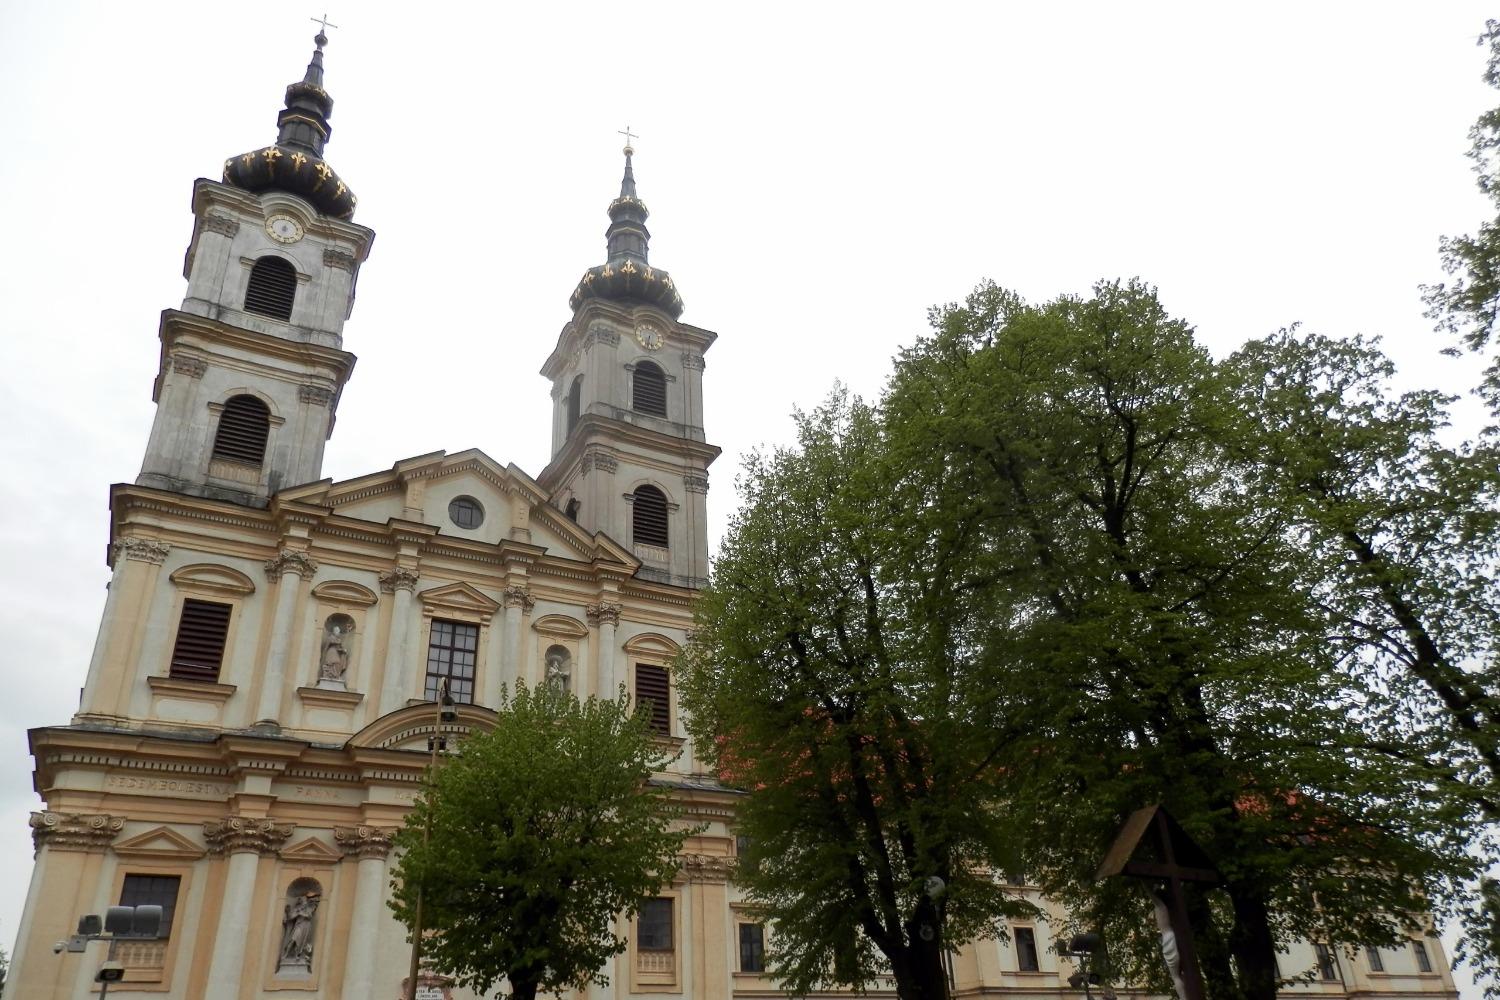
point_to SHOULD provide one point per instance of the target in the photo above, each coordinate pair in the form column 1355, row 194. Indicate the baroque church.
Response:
column 256, row 717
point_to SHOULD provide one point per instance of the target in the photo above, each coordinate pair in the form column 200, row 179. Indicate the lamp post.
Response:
column 141, row 923
column 446, row 713
column 1082, row 947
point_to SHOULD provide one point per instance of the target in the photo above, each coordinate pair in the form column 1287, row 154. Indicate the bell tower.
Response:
column 629, row 457
column 252, row 364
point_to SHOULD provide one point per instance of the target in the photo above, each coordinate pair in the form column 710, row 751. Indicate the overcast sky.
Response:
column 818, row 176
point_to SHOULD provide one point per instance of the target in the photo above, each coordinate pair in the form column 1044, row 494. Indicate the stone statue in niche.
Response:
column 298, row 918
column 333, row 663
column 557, row 667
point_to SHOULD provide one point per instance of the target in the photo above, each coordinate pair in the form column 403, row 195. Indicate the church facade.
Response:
column 256, row 717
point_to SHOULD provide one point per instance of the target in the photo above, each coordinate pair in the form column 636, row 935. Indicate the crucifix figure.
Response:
column 1152, row 846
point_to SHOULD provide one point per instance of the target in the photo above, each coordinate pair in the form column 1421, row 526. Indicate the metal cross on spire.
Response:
column 326, row 24
column 629, row 135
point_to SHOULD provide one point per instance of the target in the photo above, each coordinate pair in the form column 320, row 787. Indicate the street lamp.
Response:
column 1083, row 947
column 447, row 712
column 137, row 923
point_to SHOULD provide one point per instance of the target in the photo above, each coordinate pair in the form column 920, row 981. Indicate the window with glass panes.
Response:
column 1326, row 969
column 653, row 926
column 1424, row 961
column 752, row 948
column 153, row 890
column 451, row 651
column 1372, row 956
column 1026, row 956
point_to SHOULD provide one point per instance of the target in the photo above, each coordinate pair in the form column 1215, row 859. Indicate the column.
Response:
column 517, row 599
column 494, row 666
column 124, row 614
column 606, row 616
column 244, row 840
column 395, row 689
column 301, row 566
column 369, row 845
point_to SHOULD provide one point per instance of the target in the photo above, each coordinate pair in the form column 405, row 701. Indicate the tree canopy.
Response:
column 529, row 841
column 1071, row 564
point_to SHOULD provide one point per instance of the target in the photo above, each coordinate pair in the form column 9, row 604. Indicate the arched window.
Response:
column 243, row 427
column 575, row 401
column 649, row 517
column 648, row 392
column 272, row 287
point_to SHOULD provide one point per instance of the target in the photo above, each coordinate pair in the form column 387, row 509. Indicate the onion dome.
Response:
column 625, row 276
column 294, row 163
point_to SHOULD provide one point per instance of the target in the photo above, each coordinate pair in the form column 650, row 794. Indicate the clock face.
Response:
column 648, row 336
column 283, row 229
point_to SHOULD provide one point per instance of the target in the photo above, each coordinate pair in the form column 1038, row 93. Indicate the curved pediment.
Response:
column 213, row 577
column 408, row 728
column 560, row 625
column 652, row 644
column 345, row 592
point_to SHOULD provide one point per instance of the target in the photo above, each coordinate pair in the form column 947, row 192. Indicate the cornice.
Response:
column 176, row 324
column 621, row 437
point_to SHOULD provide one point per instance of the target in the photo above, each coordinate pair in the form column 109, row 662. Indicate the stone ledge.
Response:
column 196, row 690
column 329, row 697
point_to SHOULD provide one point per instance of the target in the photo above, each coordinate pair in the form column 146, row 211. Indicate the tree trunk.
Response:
column 918, row 968
column 523, row 990
column 1253, row 944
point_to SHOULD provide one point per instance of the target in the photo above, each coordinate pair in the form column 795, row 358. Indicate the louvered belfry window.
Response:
column 649, row 390
column 575, row 403
column 272, row 287
column 243, row 428
column 653, row 695
column 649, row 517
column 199, row 650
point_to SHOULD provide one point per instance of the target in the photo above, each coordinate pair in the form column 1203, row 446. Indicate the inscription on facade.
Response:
column 130, row 784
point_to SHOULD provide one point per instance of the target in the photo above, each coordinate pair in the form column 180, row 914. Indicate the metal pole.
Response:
column 416, row 923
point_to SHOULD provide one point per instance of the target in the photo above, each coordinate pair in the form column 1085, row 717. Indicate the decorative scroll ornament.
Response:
column 693, row 361
column 519, row 597
column 695, row 483
column 339, row 259
column 707, row 867
column 220, row 224
column 599, row 460
column 74, row 831
column 141, row 550
column 316, row 394
column 399, row 578
column 186, row 364
column 602, row 613
column 363, row 841
column 300, row 563
column 236, row 834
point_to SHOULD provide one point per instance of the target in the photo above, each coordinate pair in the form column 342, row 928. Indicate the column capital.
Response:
column 519, row 597
column 603, row 613
column 399, row 578
column 290, row 560
column 237, row 834
column 363, row 841
column 139, row 550
column 74, row 831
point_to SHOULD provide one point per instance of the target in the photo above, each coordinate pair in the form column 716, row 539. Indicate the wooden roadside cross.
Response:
column 1151, row 845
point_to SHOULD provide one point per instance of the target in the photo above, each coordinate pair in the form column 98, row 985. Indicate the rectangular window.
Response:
column 741, row 845
column 1424, row 963
column 202, row 630
column 653, row 694
column 153, row 890
column 1026, row 957
column 1015, row 879
column 1372, row 955
column 752, row 948
column 451, row 652
column 653, row 926
column 1327, row 971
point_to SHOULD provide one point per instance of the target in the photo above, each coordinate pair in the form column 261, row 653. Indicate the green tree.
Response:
column 827, row 678
column 532, row 838
column 1156, row 634
column 1468, row 304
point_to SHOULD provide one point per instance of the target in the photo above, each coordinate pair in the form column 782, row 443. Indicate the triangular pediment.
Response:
column 459, row 597
column 313, row 850
column 512, row 507
column 162, row 842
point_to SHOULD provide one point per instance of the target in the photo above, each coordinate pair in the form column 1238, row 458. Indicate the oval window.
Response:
column 466, row 512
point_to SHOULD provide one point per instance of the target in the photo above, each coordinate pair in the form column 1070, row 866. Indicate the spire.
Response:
column 625, row 276
column 627, row 234
column 294, row 163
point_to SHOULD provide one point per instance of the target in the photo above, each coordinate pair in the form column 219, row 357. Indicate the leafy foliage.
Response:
column 828, row 675
column 529, row 842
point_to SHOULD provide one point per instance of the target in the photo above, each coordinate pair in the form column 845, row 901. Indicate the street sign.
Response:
column 429, row 993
